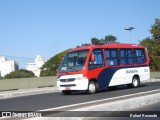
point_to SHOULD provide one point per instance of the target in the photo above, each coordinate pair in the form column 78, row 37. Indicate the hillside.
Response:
column 51, row 66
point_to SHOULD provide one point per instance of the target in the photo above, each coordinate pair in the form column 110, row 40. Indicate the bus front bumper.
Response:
column 79, row 83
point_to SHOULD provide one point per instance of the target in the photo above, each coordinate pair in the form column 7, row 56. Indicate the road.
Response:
column 52, row 100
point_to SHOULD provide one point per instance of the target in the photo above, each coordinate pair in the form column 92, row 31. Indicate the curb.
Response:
column 151, row 80
column 26, row 92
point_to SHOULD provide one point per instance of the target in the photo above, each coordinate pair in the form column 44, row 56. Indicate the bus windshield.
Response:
column 73, row 61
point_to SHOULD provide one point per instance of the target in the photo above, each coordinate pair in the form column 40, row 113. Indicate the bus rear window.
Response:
column 139, row 55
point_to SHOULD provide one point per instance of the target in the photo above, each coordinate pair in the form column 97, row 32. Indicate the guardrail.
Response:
column 25, row 83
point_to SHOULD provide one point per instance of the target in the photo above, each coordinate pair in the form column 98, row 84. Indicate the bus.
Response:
column 95, row 67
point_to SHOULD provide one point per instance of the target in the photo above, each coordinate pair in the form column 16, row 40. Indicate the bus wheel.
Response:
column 91, row 87
column 135, row 82
column 66, row 92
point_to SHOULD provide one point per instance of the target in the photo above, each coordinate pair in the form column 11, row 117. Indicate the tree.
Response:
column 96, row 41
column 86, row 44
column 106, row 40
column 19, row 74
column 83, row 44
column 153, row 46
column 109, row 39
column 155, row 30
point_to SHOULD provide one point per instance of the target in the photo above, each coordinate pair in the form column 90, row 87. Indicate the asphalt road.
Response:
column 52, row 100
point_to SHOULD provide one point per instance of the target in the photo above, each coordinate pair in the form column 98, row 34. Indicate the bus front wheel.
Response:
column 91, row 87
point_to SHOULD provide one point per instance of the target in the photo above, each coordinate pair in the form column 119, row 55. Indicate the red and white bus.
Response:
column 92, row 68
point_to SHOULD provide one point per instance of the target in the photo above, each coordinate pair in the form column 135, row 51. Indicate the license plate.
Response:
column 67, row 88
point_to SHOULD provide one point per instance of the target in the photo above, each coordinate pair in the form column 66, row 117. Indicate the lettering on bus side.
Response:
column 131, row 71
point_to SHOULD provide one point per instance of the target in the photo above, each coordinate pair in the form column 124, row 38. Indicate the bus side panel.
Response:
column 120, row 76
column 145, row 73
column 94, row 73
column 105, row 77
column 125, row 75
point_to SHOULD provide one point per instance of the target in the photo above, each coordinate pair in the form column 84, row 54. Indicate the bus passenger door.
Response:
column 96, row 66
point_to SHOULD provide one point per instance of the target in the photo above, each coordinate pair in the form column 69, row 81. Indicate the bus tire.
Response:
column 135, row 82
column 91, row 88
column 66, row 92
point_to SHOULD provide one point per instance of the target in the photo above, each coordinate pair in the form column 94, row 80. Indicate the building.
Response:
column 7, row 66
column 36, row 66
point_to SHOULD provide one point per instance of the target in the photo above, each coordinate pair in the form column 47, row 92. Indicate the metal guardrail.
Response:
column 25, row 83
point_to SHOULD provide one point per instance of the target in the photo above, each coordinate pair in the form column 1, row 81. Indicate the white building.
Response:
column 7, row 66
column 35, row 67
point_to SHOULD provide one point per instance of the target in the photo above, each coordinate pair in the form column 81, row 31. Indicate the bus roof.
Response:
column 110, row 45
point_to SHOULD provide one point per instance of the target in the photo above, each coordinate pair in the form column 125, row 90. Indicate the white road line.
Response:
column 53, row 109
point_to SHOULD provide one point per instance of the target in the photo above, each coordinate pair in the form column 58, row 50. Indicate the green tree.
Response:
column 96, row 41
column 19, row 74
column 109, row 39
column 106, row 40
column 51, row 66
column 153, row 46
column 86, row 44
column 155, row 30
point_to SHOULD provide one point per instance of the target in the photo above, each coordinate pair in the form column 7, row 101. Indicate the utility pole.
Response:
column 130, row 30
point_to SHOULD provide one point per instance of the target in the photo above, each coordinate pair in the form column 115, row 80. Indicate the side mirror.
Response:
column 92, row 58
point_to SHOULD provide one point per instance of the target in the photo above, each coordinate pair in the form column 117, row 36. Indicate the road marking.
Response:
column 73, row 105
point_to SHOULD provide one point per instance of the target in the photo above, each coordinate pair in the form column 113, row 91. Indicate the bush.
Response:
column 19, row 74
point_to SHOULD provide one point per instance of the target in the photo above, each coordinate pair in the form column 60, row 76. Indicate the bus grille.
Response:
column 67, row 80
column 70, row 85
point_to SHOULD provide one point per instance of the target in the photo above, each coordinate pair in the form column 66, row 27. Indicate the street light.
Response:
column 130, row 29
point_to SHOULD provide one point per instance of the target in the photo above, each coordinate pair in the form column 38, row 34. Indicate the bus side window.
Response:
column 123, row 58
column 126, row 56
column 130, row 56
column 99, row 61
column 112, row 57
column 139, row 55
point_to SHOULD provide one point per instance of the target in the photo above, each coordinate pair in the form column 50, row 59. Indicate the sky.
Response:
column 48, row 27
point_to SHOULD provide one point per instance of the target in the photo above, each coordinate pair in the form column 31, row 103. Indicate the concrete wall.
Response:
column 25, row 83
column 155, row 75
column 10, row 84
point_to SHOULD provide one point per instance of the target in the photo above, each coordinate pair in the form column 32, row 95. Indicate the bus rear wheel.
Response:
column 91, row 88
column 135, row 82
